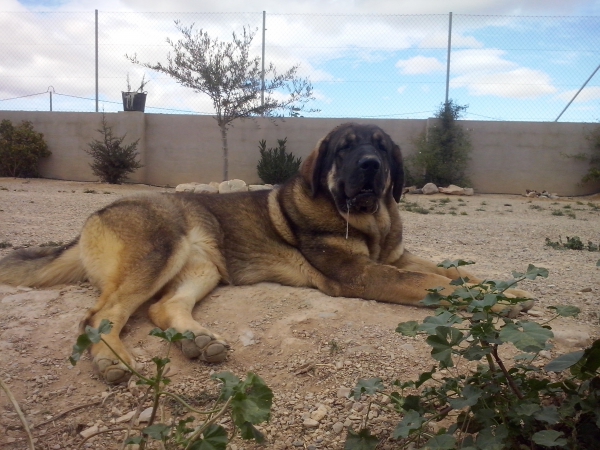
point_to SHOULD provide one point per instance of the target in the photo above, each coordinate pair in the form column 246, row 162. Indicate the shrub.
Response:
column 473, row 399
column 21, row 149
column 442, row 151
column 276, row 165
column 112, row 161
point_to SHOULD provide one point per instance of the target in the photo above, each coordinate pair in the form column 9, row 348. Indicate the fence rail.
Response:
column 364, row 66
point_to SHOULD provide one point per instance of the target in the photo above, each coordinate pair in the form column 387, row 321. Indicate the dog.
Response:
column 335, row 226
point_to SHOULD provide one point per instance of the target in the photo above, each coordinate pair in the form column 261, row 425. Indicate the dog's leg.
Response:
column 174, row 310
column 116, row 305
column 411, row 262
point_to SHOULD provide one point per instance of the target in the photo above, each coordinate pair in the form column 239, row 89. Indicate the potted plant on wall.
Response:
column 135, row 100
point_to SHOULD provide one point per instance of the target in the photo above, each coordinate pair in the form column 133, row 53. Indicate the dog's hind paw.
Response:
column 205, row 348
column 113, row 370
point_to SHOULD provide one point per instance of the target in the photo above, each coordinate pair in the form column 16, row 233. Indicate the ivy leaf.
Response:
column 549, row 438
column 532, row 273
column 532, row 338
column 589, row 363
column 442, row 343
column 171, row 334
column 252, row 401
column 563, row 362
column 548, row 414
column 492, row 438
column 432, row 299
column 408, row 328
column 91, row 336
column 566, row 311
column 214, row 438
column 411, row 421
column 441, row 442
column 135, row 440
column 369, row 387
column 527, row 409
column 444, row 319
column 158, row 431
column 230, row 382
column 470, row 395
column 447, row 264
column 361, row 440
column 248, row 431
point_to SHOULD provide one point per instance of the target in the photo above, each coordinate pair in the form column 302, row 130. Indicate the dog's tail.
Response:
column 43, row 266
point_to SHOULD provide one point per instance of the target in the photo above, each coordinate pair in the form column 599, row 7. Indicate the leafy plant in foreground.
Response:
column 21, row 148
column 247, row 402
column 477, row 399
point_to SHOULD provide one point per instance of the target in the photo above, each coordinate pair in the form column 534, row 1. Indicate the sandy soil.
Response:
column 274, row 330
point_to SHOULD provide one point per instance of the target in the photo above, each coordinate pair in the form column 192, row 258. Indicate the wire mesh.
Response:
column 503, row 67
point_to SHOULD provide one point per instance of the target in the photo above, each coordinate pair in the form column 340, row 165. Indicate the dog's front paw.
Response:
column 112, row 370
column 206, row 348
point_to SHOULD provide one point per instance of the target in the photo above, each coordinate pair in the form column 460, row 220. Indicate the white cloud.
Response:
column 588, row 94
column 401, row 89
column 518, row 83
column 419, row 65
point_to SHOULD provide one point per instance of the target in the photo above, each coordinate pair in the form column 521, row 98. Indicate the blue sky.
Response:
column 511, row 60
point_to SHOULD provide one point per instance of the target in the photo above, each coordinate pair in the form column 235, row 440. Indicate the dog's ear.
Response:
column 312, row 167
column 397, row 172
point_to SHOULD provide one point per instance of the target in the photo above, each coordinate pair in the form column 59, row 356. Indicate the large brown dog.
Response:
column 334, row 227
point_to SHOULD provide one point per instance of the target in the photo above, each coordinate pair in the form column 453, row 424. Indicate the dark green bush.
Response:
column 442, row 151
column 21, row 149
column 112, row 161
column 276, row 165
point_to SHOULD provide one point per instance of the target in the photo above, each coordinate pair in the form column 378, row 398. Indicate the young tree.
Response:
column 232, row 79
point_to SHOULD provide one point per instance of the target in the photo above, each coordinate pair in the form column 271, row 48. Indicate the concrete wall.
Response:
column 508, row 157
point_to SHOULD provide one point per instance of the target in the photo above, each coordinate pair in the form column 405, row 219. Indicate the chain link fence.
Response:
column 362, row 66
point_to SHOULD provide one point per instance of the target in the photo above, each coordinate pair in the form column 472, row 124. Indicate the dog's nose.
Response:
column 369, row 164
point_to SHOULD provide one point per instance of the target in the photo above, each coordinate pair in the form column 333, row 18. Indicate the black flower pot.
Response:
column 134, row 101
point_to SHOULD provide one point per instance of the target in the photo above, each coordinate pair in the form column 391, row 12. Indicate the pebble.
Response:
column 89, row 431
column 337, row 427
column 310, row 423
column 343, row 392
column 319, row 413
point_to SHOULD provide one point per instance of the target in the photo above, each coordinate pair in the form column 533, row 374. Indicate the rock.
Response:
column 145, row 415
column 337, row 427
column 469, row 192
column 343, row 392
column 319, row 413
column 452, row 190
column 89, row 431
column 430, row 188
column 546, row 354
column 260, row 187
column 232, row 186
column 408, row 348
column 571, row 338
column 205, row 188
column 214, row 184
column 587, row 289
column 186, row 187
column 310, row 423
column 535, row 313
column 247, row 338
column 126, row 418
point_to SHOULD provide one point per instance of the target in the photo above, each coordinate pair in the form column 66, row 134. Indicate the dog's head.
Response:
column 358, row 165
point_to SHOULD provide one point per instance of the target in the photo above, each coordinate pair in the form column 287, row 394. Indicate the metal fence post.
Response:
column 577, row 93
column 262, row 88
column 96, row 57
column 448, row 58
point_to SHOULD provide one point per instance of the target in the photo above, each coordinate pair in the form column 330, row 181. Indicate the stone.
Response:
column 452, row 190
column 337, row 427
column 145, row 415
column 232, row 186
column 319, row 413
column 205, row 188
column 125, row 418
column 260, row 187
column 89, row 431
column 469, row 192
column 310, row 423
column 408, row 348
column 571, row 338
column 430, row 188
column 186, row 187
column 587, row 289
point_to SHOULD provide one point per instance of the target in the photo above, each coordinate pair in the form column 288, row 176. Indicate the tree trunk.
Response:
column 225, row 152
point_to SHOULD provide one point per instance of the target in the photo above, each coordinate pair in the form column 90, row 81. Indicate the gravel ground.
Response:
column 309, row 348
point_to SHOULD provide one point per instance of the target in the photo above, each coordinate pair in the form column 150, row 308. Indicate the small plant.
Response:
column 538, row 207
column 334, row 347
column 276, row 165
column 573, row 243
column 247, row 402
column 557, row 212
column 140, row 89
column 475, row 398
column 112, row 161
column 5, row 244
column 90, row 191
column 442, row 151
column 21, row 148
column 444, row 200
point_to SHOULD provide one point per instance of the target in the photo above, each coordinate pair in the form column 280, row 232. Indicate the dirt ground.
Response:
column 308, row 347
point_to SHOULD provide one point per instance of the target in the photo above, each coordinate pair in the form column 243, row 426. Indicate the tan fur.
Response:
column 175, row 249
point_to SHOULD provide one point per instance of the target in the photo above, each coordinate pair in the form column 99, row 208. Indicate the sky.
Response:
column 510, row 59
